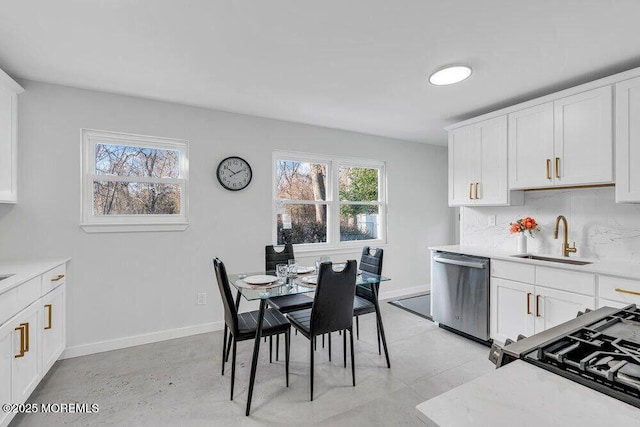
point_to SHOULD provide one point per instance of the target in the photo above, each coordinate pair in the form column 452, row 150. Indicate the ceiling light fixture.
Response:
column 449, row 75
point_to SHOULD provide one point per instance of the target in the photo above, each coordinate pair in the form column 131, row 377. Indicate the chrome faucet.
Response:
column 566, row 249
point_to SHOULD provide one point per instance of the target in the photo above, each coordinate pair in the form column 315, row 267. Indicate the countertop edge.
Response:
column 25, row 270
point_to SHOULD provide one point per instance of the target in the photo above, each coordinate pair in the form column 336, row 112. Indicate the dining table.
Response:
column 292, row 286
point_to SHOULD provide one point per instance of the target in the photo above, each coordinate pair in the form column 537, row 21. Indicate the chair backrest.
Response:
column 332, row 308
column 230, row 312
column 371, row 262
column 273, row 257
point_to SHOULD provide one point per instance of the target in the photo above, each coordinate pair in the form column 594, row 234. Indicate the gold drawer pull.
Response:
column 476, row 194
column 26, row 333
column 624, row 291
column 557, row 167
column 49, row 315
column 58, row 277
column 538, row 306
column 528, row 302
column 21, row 329
column 548, row 168
column 471, row 191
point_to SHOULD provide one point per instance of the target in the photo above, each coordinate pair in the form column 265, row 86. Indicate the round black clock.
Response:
column 234, row 173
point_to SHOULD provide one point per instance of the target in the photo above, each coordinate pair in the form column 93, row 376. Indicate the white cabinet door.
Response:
column 584, row 138
column 25, row 369
column 491, row 162
column 511, row 309
column 52, row 326
column 6, row 360
column 461, row 166
column 628, row 141
column 553, row 307
column 8, row 145
column 531, row 147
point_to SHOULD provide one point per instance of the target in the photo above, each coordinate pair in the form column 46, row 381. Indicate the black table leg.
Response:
column 379, row 320
column 256, row 350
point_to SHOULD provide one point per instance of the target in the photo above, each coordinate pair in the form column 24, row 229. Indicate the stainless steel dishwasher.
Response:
column 460, row 294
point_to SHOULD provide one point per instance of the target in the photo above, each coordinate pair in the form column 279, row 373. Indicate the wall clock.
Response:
column 234, row 173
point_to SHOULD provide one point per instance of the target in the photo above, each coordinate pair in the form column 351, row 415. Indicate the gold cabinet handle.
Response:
column 548, row 168
column 528, row 302
column 471, row 190
column 476, row 193
column 557, row 167
column 49, row 315
column 22, row 351
column 537, row 305
column 26, row 333
column 58, row 277
column 624, row 291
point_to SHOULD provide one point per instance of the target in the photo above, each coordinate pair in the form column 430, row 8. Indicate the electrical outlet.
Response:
column 492, row 220
column 202, row 298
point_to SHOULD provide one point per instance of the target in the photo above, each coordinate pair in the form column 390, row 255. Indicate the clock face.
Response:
column 234, row 173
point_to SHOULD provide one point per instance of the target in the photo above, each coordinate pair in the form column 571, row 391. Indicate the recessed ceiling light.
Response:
column 449, row 75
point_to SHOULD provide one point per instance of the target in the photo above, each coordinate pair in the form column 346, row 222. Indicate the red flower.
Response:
column 529, row 223
column 515, row 228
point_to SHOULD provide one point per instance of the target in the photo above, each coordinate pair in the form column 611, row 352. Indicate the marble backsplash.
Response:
column 601, row 228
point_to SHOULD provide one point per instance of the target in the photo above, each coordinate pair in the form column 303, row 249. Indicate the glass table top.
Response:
column 295, row 286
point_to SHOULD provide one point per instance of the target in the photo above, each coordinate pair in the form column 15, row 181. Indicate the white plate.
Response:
column 310, row 280
column 263, row 279
column 302, row 269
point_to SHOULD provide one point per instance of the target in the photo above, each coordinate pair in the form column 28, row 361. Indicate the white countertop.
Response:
column 621, row 269
column 525, row 395
column 25, row 270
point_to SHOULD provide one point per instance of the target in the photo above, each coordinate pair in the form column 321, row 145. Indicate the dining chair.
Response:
column 332, row 310
column 366, row 298
column 284, row 303
column 243, row 326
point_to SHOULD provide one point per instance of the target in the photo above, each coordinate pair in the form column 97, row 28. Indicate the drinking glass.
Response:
column 282, row 271
column 293, row 268
column 320, row 261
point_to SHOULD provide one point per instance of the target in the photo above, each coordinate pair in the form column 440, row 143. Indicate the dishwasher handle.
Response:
column 459, row 261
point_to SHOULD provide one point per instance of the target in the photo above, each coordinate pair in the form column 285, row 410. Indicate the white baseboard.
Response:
column 118, row 343
column 404, row 292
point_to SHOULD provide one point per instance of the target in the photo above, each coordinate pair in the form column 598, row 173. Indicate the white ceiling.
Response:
column 360, row 65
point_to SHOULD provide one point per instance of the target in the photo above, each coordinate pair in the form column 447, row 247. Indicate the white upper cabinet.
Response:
column 566, row 142
column 628, row 141
column 531, row 147
column 478, row 165
column 9, row 91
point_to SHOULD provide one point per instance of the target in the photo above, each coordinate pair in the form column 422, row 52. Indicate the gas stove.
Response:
column 600, row 350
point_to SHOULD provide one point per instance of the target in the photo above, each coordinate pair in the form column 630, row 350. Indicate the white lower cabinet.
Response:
column 520, row 308
column 33, row 339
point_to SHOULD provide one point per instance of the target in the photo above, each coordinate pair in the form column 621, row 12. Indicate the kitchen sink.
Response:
column 5, row 276
column 559, row 260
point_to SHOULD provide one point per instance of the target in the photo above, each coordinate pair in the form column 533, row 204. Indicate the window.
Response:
column 133, row 182
column 327, row 201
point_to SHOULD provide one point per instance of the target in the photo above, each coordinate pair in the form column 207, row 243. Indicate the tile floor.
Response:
column 178, row 382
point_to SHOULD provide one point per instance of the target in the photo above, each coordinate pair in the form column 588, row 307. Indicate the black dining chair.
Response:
column 284, row 303
column 332, row 310
column 243, row 326
column 366, row 300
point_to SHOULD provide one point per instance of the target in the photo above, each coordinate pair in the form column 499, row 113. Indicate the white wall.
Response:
column 129, row 284
column 601, row 228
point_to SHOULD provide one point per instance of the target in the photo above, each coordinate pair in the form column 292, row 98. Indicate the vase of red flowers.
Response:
column 521, row 227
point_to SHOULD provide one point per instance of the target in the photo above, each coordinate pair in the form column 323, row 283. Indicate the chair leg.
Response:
column 271, row 349
column 353, row 359
column 228, row 347
column 344, row 346
column 277, row 346
column 224, row 347
column 311, row 351
column 329, row 346
column 287, row 349
column 322, row 340
column 233, row 367
column 315, row 344
column 357, row 327
column 378, row 331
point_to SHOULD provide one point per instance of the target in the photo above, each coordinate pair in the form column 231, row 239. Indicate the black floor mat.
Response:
column 420, row 305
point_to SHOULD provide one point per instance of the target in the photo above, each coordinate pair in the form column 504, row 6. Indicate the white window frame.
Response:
column 334, row 163
column 92, row 223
